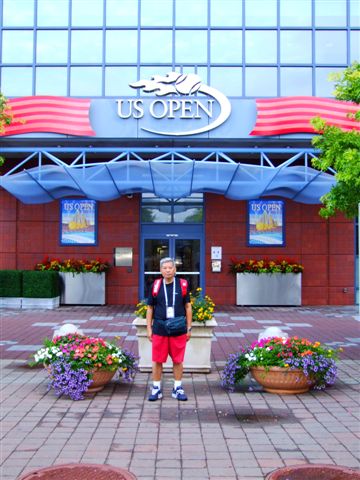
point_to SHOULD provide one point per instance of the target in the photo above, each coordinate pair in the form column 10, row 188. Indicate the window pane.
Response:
column 261, row 82
column 323, row 86
column 354, row 46
column 147, row 72
column 85, row 81
column 295, row 13
column 156, row 13
column 201, row 71
column 17, row 46
column 355, row 13
column 18, row 13
column 52, row 46
column 156, row 214
column 330, row 47
column 188, row 215
column 121, row 13
column 16, row 82
column 51, row 81
column 55, row 14
column 228, row 80
column 121, row 46
column 156, row 46
column 255, row 51
column 227, row 14
column 330, row 14
column 87, row 13
column 86, row 46
column 226, row 46
column 117, row 81
column 260, row 13
column 191, row 46
column 191, row 14
column 295, row 81
column 295, row 46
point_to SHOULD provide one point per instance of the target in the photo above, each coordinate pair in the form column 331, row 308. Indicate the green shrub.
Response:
column 40, row 284
column 11, row 283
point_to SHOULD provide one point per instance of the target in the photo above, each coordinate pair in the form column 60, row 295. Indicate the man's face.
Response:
column 168, row 270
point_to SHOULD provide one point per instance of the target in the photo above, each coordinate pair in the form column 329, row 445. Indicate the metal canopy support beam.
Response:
column 237, row 173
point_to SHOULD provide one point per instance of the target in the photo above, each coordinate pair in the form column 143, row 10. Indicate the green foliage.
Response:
column 340, row 150
column 40, row 284
column 5, row 117
column 10, row 283
column 347, row 86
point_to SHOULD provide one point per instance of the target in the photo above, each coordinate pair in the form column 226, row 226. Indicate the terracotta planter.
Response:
column 312, row 472
column 281, row 380
column 79, row 471
column 99, row 380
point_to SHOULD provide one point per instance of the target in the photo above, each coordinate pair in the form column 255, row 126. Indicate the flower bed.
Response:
column 264, row 266
column 316, row 361
column 71, row 360
column 74, row 265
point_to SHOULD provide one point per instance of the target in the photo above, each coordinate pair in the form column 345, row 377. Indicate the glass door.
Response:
column 183, row 246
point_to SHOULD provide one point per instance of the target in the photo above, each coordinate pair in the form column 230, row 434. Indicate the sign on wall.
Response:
column 266, row 223
column 78, row 222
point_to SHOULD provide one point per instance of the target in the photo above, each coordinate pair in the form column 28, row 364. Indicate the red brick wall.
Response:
column 30, row 232
column 325, row 248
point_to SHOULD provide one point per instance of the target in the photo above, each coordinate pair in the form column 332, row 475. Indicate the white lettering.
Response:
column 200, row 106
column 135, row 109
column 162, row 104
column 174, row 106
column 186, row 107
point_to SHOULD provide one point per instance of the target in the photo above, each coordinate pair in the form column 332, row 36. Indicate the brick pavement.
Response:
column 215, row 435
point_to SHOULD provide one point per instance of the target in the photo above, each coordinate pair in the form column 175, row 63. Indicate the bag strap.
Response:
column 156, row 287
column 184, row 286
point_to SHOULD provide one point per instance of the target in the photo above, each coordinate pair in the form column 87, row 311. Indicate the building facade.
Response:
column 148, row 128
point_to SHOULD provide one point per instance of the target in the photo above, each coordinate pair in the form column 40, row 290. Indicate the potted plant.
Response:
column 79, row 364
column 283, row 365
column 267, row 282
column 11, row 288
column 198, row 349
column 82, row 281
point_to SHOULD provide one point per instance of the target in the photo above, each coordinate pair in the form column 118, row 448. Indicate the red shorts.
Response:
column 162, row 347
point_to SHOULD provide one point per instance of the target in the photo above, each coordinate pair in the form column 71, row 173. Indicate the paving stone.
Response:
column 209, row 437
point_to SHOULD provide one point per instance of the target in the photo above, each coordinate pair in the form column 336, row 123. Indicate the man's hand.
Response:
column 149, row 333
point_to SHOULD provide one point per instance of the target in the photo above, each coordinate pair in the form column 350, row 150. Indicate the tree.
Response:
column 5, row 117
column 340, row 150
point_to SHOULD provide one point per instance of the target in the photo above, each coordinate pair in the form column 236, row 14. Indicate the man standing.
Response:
column 168, row 299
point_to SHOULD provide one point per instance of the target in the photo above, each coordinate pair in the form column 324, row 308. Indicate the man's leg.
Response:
column 178, row 369
column 157, row 369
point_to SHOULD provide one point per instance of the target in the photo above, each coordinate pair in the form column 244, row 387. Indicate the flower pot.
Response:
column 82, row 288
column 268, row 289
column 281, row 380
column 79, row 471
column 100, row 379
column 197, row 353
column 311, row 472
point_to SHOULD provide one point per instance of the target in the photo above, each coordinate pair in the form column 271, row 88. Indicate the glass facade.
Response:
column 97, row 47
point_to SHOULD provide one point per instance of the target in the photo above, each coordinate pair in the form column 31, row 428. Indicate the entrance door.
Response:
column 178, row 242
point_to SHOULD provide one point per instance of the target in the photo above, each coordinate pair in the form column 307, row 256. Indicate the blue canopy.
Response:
column 172, row 175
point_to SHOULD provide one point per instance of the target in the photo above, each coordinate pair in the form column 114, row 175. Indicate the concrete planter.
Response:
column 198, row 349
column 10, row 302
column 82, row 288
column 268, row 289
column 47, row 303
